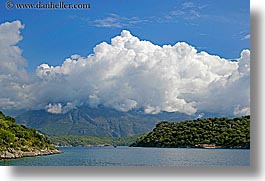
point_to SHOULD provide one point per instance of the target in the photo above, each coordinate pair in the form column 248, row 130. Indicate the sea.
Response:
column 137, row 156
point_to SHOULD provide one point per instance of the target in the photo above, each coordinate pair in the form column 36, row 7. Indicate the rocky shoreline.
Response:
column 12, row 154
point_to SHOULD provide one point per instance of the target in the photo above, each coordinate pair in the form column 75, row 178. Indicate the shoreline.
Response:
column 206, row 148
column 14, row 154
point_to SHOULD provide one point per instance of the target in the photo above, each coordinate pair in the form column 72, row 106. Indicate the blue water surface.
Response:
column 134, row 156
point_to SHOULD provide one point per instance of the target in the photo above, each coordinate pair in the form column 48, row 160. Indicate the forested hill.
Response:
column 222, row 132
column 18, row 140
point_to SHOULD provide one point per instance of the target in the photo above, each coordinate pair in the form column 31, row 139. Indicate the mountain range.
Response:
column 101, row 121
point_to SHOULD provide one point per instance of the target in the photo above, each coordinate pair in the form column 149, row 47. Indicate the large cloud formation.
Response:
column 126, row 74
column 13, row 76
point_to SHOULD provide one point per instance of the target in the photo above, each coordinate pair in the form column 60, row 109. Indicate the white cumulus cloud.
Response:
column 130, row 73
column 14, row 79
column 54, row 108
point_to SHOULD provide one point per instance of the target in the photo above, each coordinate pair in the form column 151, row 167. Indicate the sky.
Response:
column 218, row 27
column 184, row 63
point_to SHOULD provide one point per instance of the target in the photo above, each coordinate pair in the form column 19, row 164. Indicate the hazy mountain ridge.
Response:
column 86, row 121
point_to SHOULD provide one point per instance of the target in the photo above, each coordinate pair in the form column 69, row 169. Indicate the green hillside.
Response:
column 14, row 137
column 91, row 140
column 223, row 132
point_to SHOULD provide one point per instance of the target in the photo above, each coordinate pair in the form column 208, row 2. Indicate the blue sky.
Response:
column 218, row 27
column 127, row 74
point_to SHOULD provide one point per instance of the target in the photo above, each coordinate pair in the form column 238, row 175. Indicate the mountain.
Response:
column 101, row 121
column 211, row 132
column 18, row 141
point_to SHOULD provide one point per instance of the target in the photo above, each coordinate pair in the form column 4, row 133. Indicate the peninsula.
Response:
column 18, row 141
column 200, row 133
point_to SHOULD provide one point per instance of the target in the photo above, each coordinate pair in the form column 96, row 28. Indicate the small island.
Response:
column 18, row 141
column 201, row 133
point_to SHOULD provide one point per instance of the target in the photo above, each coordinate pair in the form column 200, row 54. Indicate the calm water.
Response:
column 127, row 156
